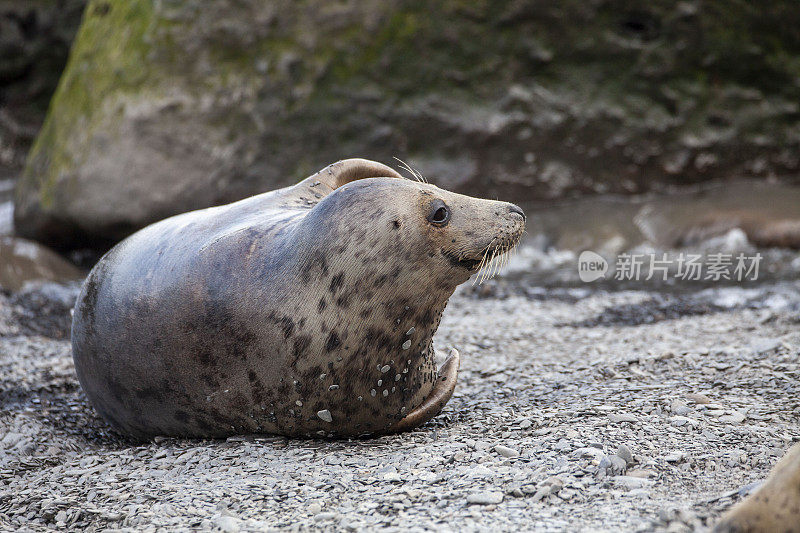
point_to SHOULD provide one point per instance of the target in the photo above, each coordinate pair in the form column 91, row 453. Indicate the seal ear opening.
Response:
column 347, row 170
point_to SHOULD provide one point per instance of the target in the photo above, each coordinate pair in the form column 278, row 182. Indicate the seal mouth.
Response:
column 465, row 262
column 487, row 262
column 473, row 264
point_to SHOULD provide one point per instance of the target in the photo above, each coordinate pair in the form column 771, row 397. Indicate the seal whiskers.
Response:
column 490, row 266
column 416, row 173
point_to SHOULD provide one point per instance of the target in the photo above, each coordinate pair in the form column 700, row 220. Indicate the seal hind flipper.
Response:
column 439, row 396
column 343, row 172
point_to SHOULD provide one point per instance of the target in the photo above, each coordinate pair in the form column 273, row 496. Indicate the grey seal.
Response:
column 305, row 311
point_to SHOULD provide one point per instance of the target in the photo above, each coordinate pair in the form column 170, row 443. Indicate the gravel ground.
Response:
column 575, row 410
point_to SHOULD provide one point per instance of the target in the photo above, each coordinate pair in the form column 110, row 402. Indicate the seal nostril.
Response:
column 515, row 209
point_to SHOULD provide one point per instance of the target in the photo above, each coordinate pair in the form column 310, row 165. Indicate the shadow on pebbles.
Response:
column 591, row 411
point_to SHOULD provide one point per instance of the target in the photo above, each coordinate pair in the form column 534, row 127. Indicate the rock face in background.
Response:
column 35, row 36
column 175, row 105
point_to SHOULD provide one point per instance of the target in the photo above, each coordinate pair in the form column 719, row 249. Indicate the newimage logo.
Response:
column 591, row 266
column 662, row 266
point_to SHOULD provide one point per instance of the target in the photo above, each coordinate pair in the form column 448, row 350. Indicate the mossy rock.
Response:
column 175, row 105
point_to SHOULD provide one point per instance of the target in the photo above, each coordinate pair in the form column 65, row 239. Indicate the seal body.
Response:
column 306, row 311
column 775, row 506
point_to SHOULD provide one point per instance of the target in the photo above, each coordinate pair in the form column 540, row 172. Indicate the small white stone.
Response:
column 325, row 415
column 322, row 517
column 385, row 368
column 630, row 483
column 505, row 451
column 679, row 420
column 589, row 451
column 392, row 477
column 485, row 498
column 407, row 344
column 675, row 457
column 622, row 417
column 228, row 524
column 734, row 418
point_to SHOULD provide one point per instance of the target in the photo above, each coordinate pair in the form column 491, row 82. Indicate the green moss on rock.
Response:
column 109, row 55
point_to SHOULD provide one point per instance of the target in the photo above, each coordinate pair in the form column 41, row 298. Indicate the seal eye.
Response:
column 439, row 213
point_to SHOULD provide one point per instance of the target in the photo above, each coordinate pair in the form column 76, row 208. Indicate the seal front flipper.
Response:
column 439, row 396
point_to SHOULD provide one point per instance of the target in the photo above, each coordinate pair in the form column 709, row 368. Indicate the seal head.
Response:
column 305, row 311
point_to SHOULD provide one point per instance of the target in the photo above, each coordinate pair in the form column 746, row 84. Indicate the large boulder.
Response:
column 174, row 105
